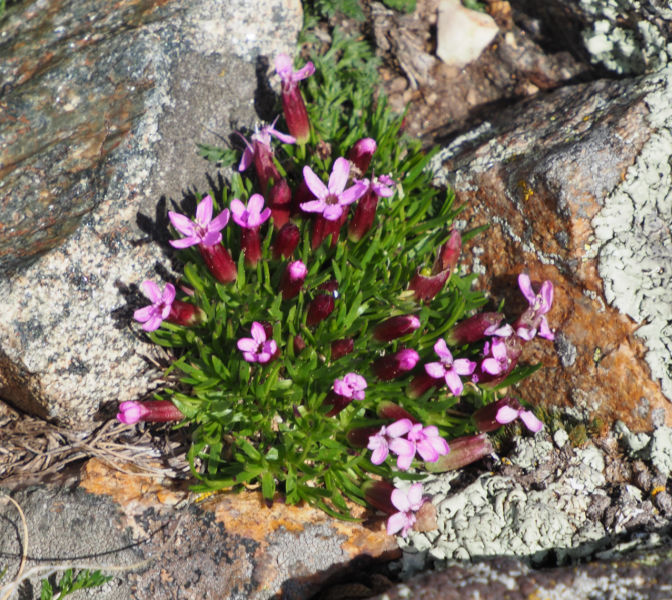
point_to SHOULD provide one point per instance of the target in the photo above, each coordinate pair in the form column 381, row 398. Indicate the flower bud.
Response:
column 152, row 410
column 323, row 228
column 463, row 451
column 319, row 309
column 186, row 314
column 395, row 327
column 219, row 262
column 394, row 365
column 448, row 254
column 250, row 244
column 342, row 347
column 379, row 495
column 422, row 383
column 286, row 241
column 362, row 219
column 394, row 412
column 361, row 153
column 426, row 287
column 299, row 344
column 474, row 328
column 267, row 172
column 359, row 436
column 295, row 113
column 280, row 203
column 292, row 279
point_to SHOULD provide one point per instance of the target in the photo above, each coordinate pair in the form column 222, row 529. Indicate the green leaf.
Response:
column 268, row 485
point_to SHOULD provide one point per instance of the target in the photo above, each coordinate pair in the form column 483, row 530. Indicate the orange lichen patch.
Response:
column 128, row 487
column 247, row 515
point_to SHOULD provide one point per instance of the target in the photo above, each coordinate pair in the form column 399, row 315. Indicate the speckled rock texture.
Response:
column 575, row 186
column 160, row 545
column 102, row 105
column 623, row 36
column 646, row 577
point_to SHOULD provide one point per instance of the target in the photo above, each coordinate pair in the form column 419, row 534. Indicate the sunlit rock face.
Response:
column 102, row 109
column 575, row 186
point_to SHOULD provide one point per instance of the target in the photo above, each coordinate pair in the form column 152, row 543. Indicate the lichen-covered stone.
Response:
column 574, row 189
column 102, row 107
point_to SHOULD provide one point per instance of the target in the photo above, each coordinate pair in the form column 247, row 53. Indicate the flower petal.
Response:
column 464, row 366
column 152, row 291
column 531, row 421
column 525, row 286
column 339, row 176
column 184, row 225
column 454, row 382
column 315, row 184
column 255, row 204
column 399, row 428
column 332, row 212
column 184, row 242
column 247, row 345
column 435, row 370
column 506, row 414
column 415, row 496
column 142, row 315
column 400, row 499
column 258, row 332
column 441, row 349
column 306, row 71
column 316, row 206
column 354, row 192
column 204, row 211
column 396, row 523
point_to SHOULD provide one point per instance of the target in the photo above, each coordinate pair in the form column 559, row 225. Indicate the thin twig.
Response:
column 24, row 552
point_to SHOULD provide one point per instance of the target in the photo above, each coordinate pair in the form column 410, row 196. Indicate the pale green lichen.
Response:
column 627, row 36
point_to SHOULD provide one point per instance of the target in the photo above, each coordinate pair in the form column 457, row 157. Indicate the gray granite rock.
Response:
column 103, row 106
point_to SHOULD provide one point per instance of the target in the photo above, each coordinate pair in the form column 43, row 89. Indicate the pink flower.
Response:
column 449, row 369
column 205, row 231
column 257, row 348
column 427, row 443
column 389, row 438
column 293, row 105
column 493, row 416
column 262, row 138
column 408, row 502
column 252, row 215
column 533, row 321
column 331, row 199
column 152, row 410
column 153, row 315
column 352, row 386
column 498, row 360
column 391, row 366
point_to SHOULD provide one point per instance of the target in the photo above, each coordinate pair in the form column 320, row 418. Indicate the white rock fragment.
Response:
column 661, row 450
column 462, row 34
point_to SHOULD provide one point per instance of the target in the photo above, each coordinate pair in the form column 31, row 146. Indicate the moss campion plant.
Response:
column 323, row 336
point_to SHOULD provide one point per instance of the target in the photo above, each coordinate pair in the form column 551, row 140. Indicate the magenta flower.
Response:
column 153, row 315
column 389, row 438
column 533, row 321
column 252, row 215
column 205, row 231
column 498, row 360
column 394, row 365
column 331, row 199
column 427, row 443
column 257, row 348
column 352, row 386
column 261, row 137
column 293, row 105
column 493, row 416
column 152, row 410
column 449, row 369
column 408, row 502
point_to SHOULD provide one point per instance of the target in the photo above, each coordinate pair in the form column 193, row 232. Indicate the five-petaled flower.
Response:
column 449, row 369
column 331, row 198
column 252, row 215
column 257, row 348
column 293, row 106
column 205, row 231
column 389, row 438
column 408, row 502
column 153, row 315
column 352, row 386
column 533, row 321
column 427, row 442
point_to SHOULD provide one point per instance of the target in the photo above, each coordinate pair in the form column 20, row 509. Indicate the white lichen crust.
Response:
column 635, row 239
column 627, row 36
